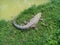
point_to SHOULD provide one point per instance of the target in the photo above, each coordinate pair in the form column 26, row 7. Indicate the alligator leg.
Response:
column 25, row 22
column 41, row 19
column 33, row 26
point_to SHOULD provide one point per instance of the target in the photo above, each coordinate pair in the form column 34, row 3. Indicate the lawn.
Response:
column 48, row 32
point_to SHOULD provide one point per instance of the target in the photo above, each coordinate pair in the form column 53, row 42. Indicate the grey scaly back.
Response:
column 33, row 21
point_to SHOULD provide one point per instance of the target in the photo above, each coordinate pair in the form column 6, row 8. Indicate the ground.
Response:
column 48, row 32
column 11, row 8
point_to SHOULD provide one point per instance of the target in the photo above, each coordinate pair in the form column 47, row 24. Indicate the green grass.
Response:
column 48, row 32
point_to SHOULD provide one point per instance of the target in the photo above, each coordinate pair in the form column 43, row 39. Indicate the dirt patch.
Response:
column 11, row 8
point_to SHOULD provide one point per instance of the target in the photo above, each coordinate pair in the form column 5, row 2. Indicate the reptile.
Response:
column 31, row 23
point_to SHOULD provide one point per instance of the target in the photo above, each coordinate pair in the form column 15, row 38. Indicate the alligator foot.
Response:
column 33, row 26
column 25, row 22
column 36, row 28
column 41, row 19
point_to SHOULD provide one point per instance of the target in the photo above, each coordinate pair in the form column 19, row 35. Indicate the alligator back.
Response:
column 33, row 21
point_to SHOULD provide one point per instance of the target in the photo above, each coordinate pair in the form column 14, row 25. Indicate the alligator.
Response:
column 31, row 23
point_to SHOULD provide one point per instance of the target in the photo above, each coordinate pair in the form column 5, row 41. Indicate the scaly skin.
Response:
column 33, row 21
